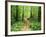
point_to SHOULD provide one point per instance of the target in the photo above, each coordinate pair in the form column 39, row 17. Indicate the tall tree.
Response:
column 20, row 12
column 16, row 12
column 39, row 14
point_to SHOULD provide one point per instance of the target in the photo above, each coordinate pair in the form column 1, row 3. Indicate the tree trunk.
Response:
column 39, row 14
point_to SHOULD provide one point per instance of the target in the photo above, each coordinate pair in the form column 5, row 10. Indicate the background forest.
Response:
column 33, row 14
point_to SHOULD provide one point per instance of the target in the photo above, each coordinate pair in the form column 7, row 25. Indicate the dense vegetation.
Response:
column 19, row 12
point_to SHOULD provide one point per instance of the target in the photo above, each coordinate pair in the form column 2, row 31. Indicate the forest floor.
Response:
column 30, row 26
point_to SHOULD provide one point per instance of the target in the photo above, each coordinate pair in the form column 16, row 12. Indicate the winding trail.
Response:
column 26, row 25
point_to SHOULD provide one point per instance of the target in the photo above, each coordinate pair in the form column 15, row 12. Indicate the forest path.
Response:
column 26, row 25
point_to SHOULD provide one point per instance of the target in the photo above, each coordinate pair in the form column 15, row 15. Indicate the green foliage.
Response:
column 35, row 26
column 35, row 10
column 27, row 11
column 17, row 26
